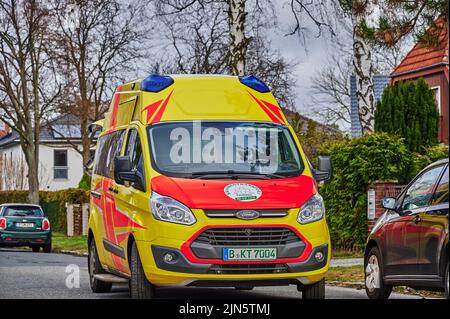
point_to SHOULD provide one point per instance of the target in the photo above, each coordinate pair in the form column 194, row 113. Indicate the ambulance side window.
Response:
column 108, row 148
column 134, row 151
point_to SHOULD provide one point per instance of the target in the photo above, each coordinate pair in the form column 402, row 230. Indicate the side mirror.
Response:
column 122, row 170
column 388, row 203
column 94, row 129
column 123, row 173
column 89, row 166
column 325, row 169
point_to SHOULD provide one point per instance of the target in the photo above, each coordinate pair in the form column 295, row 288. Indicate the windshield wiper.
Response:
column 234, row 174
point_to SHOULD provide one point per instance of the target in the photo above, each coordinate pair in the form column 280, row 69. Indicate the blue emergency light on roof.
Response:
column 156, row 83
column 254, row 83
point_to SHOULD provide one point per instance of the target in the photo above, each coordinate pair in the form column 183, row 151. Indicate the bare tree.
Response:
column 13, row 172
column 95, row 44
column 197, row 39
column 361, row 13
column 364, row 69
column 26, row 91
column 330, row 85
column 277, row 72
column 237, row 12
column 317, row 11
column 331, row 91
column 239, row 42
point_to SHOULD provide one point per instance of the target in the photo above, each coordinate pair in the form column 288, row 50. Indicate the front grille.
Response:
column 249, row 269
column 248, row 236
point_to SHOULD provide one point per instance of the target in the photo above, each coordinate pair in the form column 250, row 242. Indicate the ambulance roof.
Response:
column 187, row 97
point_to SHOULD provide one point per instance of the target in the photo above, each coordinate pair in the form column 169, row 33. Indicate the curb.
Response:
column 71, row 252
column 346, row 284
column 404, row 291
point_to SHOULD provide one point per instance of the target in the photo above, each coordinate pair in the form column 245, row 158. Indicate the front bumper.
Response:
column 181, row 272
column 14, row 238
column 180, row 263
column 196, row 265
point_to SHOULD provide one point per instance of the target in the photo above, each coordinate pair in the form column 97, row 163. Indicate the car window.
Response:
column 441, row 194
column 134, row 151
column 419, row 193
column 108, row 148
column 22, row 211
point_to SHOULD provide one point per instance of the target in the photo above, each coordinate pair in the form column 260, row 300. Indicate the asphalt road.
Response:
column 24, row 274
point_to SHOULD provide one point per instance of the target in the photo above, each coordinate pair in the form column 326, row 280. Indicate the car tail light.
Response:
column 2, row 223
column 45, row 224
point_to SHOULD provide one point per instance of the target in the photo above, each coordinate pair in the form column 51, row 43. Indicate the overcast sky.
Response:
column 310, row 55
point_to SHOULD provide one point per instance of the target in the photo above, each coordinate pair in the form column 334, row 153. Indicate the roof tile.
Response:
column 421, row 56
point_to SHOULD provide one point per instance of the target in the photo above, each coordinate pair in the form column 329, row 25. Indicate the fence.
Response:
column 375, row 194
column 77, row 219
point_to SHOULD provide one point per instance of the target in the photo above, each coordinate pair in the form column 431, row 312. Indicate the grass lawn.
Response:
column 353, row 277
column 61, row 242
column 346, row 274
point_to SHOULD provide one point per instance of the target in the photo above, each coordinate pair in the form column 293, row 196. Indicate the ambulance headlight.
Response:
column 312, row 210
column 170, row 210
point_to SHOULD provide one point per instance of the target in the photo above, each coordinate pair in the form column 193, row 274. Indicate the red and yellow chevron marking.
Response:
column 115, row 109
column 113, row 218
column 271, row 110
column 156, row 110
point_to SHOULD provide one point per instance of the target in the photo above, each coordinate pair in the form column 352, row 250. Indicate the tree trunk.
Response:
column 33, row 180
column 32, row 158
column 85, row 141
column 364, row 72
column 239, row 43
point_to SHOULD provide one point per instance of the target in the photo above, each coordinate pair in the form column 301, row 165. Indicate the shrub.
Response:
column 85, row 182
column 53, row 203
column 357, row 163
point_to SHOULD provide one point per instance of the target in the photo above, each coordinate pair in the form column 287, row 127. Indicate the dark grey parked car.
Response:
column 408, row 245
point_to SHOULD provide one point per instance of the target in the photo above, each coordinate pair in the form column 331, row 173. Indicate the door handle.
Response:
column 96, row 195
column 114, row 190
column 416, row 219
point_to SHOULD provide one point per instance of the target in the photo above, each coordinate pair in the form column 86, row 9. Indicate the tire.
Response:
column 47, row 248
column 446, row 281
column 314, row 291
column 94, row 267
column 140, row 287
column 35, row 249
column 373, row 276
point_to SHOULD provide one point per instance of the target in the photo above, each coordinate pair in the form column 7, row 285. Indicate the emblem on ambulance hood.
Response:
column 242, row 192
column 247, row 214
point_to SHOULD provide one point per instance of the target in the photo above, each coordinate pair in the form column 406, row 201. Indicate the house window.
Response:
column 60, row 169
column 437, row 96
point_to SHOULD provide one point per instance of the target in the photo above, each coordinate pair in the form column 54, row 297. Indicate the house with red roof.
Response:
column 430, row 63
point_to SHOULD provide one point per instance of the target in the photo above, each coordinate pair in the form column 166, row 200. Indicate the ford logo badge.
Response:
column 247, row 214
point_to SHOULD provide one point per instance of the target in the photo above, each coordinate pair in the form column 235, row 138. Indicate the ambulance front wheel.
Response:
column 94, row 268
column 140, row 287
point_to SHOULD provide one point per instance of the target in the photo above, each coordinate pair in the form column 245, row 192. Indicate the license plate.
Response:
column 249, row 253
column 25, row 225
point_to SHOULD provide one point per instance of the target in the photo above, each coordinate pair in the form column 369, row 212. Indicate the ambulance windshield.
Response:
column 214, row 150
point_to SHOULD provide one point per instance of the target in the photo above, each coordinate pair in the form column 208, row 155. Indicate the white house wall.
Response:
column 46, row 165
column 74, row 163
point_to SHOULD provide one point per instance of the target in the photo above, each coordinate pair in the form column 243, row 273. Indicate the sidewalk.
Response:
column 346, row 262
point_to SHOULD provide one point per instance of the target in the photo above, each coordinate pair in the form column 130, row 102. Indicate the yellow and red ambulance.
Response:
column 199, row 180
